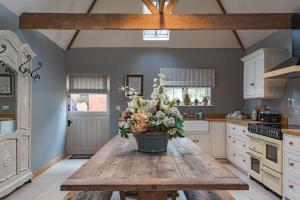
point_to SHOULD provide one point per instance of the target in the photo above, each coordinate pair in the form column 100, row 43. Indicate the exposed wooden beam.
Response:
column 76, row 21
column 149, row 4
column 235, row 33
column 170, row 6
column 161, row 6
column 77, row 31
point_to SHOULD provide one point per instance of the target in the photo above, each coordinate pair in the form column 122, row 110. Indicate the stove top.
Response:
column 270, row 130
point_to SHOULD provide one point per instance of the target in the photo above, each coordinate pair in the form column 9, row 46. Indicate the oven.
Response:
column 272, row 154
column 255, row 157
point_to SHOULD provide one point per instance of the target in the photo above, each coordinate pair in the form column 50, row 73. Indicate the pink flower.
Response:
column 140, row 123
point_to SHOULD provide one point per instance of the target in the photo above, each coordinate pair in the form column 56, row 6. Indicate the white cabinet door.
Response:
column 259, row 82
column 218, row 139
column 249, row 69
column 203, row 141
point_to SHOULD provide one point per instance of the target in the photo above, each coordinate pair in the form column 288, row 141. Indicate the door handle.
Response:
column 69, row 122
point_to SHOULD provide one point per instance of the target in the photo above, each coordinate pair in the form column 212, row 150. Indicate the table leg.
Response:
column 153, row 195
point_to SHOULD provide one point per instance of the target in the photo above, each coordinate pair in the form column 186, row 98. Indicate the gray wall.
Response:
column 227, row 96
column 48, row 94
column 280, row 39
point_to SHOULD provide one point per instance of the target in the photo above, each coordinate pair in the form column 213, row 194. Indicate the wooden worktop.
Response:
column 7, row 116
column 295, row 132
column 118, row 166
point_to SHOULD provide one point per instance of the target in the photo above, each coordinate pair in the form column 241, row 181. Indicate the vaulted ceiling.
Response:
column 178, row 39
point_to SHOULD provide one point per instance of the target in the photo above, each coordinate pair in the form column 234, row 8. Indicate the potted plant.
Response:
column 152, row 121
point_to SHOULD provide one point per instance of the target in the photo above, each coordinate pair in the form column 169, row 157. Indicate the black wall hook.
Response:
column 24, row 69
column 3, row 46
column 36, row 76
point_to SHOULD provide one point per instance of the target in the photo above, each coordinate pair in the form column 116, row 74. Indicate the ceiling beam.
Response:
column 77, row 21
column 77, row 31
column 161, row 6
column 170, row 6
column 235, row 33
column 149, row 4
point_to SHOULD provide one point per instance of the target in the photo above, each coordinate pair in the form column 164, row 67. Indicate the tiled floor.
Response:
column 46, row 186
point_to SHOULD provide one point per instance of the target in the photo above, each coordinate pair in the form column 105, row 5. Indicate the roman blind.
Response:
column 189, row 77
column 87, row 84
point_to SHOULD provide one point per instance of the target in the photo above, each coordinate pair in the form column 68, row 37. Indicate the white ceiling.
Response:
column 178, row 39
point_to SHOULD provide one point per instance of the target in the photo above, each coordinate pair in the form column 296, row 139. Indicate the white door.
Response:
column 259, row 82
column 249, row 80
column 218, row 139
column 87, row 132
column 88, row 114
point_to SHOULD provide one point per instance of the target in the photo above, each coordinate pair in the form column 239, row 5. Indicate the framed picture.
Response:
column 135, row 81
column 6, row 85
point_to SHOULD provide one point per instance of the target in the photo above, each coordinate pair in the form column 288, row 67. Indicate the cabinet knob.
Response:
column 291, row 186
column 291, row 143
column 244, row 131
column 229, row 136
column 233, row 141
column 244, row 145
column 252, row 84
column 233, row 128
column 291, row 164
column 244, row 160
column 234, row 154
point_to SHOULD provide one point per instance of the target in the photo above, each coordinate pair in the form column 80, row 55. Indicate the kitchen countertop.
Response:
column 295, row 132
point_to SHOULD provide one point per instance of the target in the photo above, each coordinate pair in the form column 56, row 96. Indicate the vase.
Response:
column 152, row 142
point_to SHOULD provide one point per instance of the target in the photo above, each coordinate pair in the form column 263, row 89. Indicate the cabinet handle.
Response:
column 229, row 136
column 252, row 84
column 233, row 141
column 244, row 160
column 234, row 154
column 244, row 131
column 291, row 143
column 291, row 164
column 291, row 186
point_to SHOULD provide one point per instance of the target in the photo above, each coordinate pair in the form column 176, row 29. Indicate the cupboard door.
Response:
column 218, row 138
column 8, row 163
column 24, row 93
column 259, row 82
column 203, row 141
column 24, row 153
column 249, row 79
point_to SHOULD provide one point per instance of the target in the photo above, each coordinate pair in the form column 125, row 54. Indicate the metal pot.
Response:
column 152, row 142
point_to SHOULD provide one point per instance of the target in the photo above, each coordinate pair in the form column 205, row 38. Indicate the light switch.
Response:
column 118, row 108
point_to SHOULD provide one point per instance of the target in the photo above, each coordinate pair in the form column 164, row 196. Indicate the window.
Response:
column 87, row 93
column 88, row 102
column 154, row 34
column 194, row 92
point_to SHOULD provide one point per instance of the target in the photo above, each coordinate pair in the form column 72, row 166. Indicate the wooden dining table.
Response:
column 118, row 166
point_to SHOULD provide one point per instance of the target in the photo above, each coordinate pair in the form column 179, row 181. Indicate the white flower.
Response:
column 169, row 122
column 160, row 115
column 174, row 112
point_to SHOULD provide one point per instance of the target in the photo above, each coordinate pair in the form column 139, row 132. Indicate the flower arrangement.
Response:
column 150, row 115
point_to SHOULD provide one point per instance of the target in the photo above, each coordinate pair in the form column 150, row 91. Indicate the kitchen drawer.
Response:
column 291, row 187
column 240, row 159
column 272, row 180
column 292, row 164
column 196, row 126
column 255, row 144
column 292, row 143
column 240, row 144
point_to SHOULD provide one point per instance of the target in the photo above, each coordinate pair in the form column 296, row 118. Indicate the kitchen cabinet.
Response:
column 256, row 64
column 209, row 136
column 237, row 146
column 291, row 167
column 198, row 132
column 218, row 135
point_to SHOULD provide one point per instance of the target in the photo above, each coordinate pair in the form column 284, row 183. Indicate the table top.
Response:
column 118, row 166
